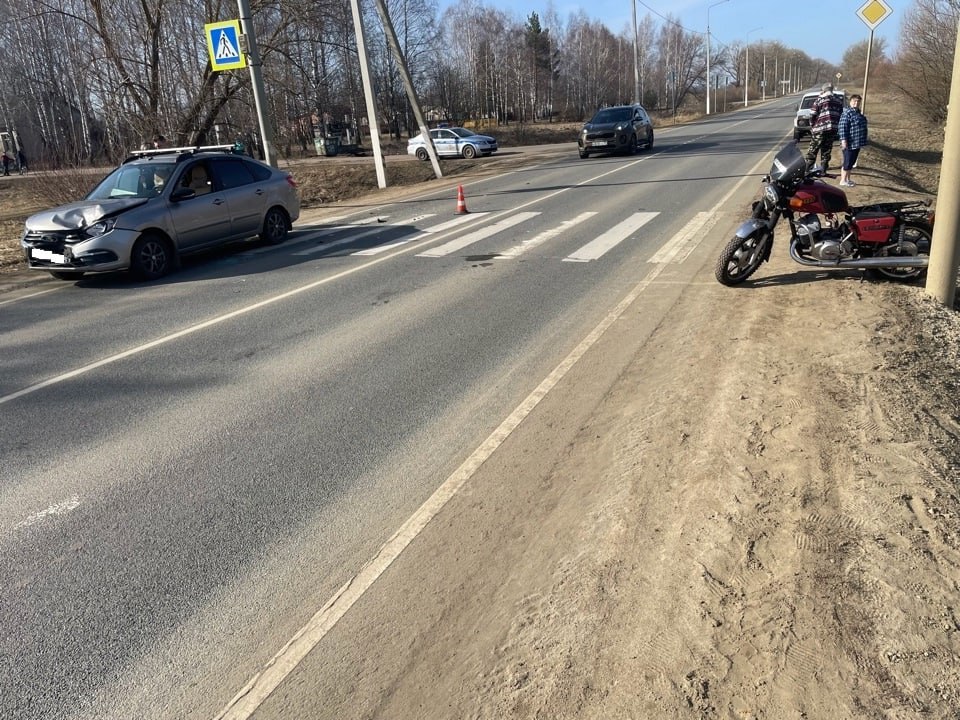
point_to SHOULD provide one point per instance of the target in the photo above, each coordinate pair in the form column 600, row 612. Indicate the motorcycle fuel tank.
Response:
column 818, row 197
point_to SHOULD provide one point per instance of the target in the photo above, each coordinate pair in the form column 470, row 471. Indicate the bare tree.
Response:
column 924, row 62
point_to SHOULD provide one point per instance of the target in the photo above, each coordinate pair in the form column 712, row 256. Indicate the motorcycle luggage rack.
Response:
column 907, row 207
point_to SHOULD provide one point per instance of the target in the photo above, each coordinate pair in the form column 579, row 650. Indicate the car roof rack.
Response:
column 184, row 151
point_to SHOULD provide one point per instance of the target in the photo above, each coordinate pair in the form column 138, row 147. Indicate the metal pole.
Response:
column 866, row 74
column 256, row 81
column 945, row 253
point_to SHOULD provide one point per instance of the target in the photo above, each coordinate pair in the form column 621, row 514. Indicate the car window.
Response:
column 807, row 102
column 608, row 115
column 259, row 172
column 463, row 132
column 447, row 135
column 130, row 181
column 435, row 134
column 232, row 172
column 198, row 179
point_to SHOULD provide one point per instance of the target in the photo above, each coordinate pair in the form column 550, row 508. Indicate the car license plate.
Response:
column 47, row 255
column 598, row 143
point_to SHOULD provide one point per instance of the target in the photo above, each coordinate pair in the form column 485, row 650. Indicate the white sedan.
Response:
column 453, row 142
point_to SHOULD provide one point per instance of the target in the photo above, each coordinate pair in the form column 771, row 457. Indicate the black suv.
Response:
column 622, row 128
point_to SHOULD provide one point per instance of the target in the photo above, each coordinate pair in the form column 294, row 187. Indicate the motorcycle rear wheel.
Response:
column 920, row 235
column 741, row 258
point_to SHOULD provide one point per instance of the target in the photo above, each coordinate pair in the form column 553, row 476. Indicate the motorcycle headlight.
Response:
column 100, row 228
column 770, row 195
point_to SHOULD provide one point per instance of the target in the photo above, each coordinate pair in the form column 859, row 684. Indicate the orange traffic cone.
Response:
column 461, row 202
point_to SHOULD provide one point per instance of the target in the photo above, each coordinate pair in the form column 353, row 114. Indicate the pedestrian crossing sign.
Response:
column 223, row 43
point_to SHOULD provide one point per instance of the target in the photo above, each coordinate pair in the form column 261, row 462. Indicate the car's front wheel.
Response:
column 469, row 152
column 422, row 154
column 151, row 257
column 275, row 227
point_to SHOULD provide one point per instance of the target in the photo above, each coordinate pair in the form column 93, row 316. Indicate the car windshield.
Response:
column 807, row 102
column 133, row 181
column 462, row 132
column 613, row 115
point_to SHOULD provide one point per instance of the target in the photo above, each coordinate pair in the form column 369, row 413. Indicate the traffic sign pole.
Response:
column 872, row 12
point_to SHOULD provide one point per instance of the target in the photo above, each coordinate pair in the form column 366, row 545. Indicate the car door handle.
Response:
column 259, row 191
column 218, row 201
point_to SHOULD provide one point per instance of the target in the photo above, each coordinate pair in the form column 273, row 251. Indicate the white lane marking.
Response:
column 611, row 238
column 682, row 244
column 61, row 508
column 477, row 235
column 261, row 685
column 357, row 236
column 336, row 228
column 543, row 237
column 423, row 234
column 31, row 295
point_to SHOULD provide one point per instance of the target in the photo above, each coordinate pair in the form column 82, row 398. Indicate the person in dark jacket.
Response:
column 21, row 161
column 6, row 162
column 852, row 132
column 824, row 122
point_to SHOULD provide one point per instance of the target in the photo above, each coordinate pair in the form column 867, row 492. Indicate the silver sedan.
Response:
column 453, row 142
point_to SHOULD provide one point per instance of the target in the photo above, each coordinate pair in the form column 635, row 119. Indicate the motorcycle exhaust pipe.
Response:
column 862, row 263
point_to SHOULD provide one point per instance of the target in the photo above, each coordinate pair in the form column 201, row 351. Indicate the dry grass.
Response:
column 903, row 160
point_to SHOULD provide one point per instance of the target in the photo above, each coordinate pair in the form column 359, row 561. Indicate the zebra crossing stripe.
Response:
column 611, row 238
column 478, row 235
column 422, row 234
column 517, row 250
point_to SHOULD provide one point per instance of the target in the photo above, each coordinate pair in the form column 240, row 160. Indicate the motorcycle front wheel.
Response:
column 741, row 258
column 920, row 235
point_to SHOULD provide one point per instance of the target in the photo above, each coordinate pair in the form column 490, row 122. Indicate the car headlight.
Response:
column 100, row 228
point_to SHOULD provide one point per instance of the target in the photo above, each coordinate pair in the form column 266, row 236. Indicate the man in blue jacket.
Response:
column 824, row 123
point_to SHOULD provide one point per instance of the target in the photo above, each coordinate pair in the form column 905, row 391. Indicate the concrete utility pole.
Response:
column 368, row 94
column 256, row 80
column 408, row 84
column 636, row 58
column 721, row 2
column 945, row 253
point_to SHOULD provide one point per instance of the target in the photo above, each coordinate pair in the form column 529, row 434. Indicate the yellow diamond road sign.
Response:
column 874, row 12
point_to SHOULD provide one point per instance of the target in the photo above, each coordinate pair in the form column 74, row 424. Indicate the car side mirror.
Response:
column 182, row 193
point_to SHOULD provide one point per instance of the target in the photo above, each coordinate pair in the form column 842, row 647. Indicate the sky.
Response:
column 822, row 28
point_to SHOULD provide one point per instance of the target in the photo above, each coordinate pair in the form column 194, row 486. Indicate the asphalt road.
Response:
column 193, row 468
